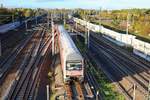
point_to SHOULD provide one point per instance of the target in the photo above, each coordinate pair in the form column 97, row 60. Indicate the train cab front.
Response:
column 74, row 71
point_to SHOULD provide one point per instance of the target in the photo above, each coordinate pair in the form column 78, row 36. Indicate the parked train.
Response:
column 72, row 61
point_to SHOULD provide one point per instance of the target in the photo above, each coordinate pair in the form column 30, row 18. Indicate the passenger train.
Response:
column 72, row 61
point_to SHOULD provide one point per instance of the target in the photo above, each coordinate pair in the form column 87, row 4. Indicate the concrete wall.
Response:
column 141, row 48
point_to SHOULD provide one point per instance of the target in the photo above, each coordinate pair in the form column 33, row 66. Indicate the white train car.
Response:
column 72, row 61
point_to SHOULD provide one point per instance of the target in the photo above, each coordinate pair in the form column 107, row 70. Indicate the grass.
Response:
column 106, row 88
column 66, row 26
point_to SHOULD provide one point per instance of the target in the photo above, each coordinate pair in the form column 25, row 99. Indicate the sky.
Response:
column 86, row 4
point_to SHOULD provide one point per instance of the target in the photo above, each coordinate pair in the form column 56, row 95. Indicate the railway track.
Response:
column 135, row 61
column 4, row 66
column 7, row 64
column 30, row 93
column 20, row 60
column 33, row 78
column 29, row 56
column 120, row 63
column 11, row 39
column 131, row 65
column 82, row 91
column 25, row 82
column 113, row 75
column 132, row 76
column 93, row 83
column 131, row 68
column 23, row 71
column 74, row 91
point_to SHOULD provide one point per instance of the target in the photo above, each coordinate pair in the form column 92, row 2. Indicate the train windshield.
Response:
column 74, row 66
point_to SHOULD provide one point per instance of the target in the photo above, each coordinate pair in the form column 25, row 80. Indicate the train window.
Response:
column 74, row 66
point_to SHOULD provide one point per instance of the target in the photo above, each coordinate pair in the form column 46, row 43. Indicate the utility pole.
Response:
column 52, row 26
column 26, row 24
column 47, row 19
column 36, row 17
column 134, row 91
column 36, row 20
column 61, row 15
column 87, row 33
column 85, row 30
column 64, row 19
column 96, row 13
column 127, row 27
column 97, row 93
column 88, row 38
column 100, row 19
column 149, row 91
column 0, row 47
column 13, row 18
column 76, row 25
column 47, row 89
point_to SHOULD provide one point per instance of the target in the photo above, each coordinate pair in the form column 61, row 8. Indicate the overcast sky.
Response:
column 94, row 4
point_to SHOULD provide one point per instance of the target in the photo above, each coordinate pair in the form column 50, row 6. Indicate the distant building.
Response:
column 1, row 5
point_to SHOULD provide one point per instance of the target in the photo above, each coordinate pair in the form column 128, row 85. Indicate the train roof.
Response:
column 68, row 45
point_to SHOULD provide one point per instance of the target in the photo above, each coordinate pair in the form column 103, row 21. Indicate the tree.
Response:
column 28, row 13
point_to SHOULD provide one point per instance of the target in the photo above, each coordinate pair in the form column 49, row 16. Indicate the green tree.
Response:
column 28, row 13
